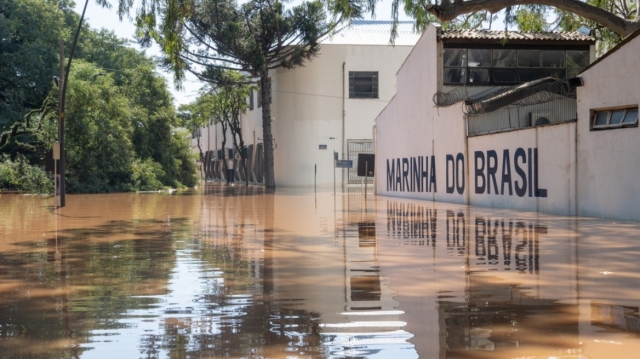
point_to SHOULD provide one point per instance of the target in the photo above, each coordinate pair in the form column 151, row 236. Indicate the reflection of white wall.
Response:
column 430, row 273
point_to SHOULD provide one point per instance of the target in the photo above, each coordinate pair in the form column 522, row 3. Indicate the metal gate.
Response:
column 354, row 147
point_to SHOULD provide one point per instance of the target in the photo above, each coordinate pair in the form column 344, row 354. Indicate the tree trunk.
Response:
column 225, row 163
column 265, row 88
column 238, row 143
column 202, row 164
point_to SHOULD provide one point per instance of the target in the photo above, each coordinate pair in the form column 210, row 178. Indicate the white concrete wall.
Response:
column 608, row 160
column 405, row 126
column 311, row 100
column 555, row 148
column 307, row 111
column 411, row 126
column 584, row 172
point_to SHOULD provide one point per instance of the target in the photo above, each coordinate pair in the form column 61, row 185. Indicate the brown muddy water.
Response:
column 236, row 273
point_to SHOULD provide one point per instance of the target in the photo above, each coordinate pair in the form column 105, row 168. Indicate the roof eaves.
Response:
column 514, row 35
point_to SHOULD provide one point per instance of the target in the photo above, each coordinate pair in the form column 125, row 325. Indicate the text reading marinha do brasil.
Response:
column 506, row 172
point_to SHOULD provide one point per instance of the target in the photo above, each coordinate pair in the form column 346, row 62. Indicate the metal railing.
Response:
column 355, row 147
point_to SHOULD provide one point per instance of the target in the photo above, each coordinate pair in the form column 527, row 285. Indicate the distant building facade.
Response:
column 326, row 106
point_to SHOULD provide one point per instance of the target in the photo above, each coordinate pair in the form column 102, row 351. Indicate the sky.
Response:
column 98, row 18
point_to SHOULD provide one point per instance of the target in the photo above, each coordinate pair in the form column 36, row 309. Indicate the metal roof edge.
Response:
column 494, row 35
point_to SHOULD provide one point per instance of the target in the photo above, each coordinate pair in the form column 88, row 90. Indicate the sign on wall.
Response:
column 344, row 164
column 504, row 173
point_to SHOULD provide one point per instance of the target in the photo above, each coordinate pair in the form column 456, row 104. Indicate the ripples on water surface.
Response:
column 234, row 272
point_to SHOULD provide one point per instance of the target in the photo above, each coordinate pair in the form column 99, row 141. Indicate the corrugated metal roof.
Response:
column 514, row 35
column 372, row 32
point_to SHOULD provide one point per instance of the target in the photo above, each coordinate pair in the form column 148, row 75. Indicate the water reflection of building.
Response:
column 403, row 278
column 478, row 273
column 496, row 316
column 315, row 277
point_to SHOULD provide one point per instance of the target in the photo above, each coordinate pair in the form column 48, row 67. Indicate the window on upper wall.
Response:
column 363, row 84
column 251, row 105
column 484, row 67
column 616, row 118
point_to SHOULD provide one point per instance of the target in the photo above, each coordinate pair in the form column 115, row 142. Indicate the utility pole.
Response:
column 60, row 183
column 63, row 91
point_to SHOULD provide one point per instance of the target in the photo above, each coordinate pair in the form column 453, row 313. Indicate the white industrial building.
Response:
column 532, row 123
column 327, row 105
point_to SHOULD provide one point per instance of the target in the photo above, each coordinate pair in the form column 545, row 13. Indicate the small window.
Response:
column 577, row 59
column 251, row 104
column 528, row 58
column 479, row 76
column 528, row 75
column 363, row 84
column 504, row 58
column 630, row 117
column 627, row 117
column 601, row 118
column 479, row 58
column 504, row 76
column 454, row 76
column 455, row 57
column 553, row 58
column 616, row 117
column 503, row 67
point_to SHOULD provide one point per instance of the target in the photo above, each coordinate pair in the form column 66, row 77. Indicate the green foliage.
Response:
column 146, row 175
column 184, row 170
column 119, row 111
column 20, row 175
column 532, row 19
column 221, row 104
column 120, row 138
column 207, row 37
column 607, row 38
column 612, row 20
column 30, row 33
column 98, row 133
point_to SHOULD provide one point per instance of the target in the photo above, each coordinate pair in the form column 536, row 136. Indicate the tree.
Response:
column 99, row 147
column 119, row 97
column 222, row 104
column 619, row 16
column 153, row 117
column 230, row 102
column 207, row 37
column 197, row 115
column 30, row 33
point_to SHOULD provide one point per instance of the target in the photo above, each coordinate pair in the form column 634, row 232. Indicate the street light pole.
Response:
column 64, row 76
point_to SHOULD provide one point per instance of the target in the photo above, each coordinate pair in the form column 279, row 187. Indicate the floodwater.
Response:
column 236, row 272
